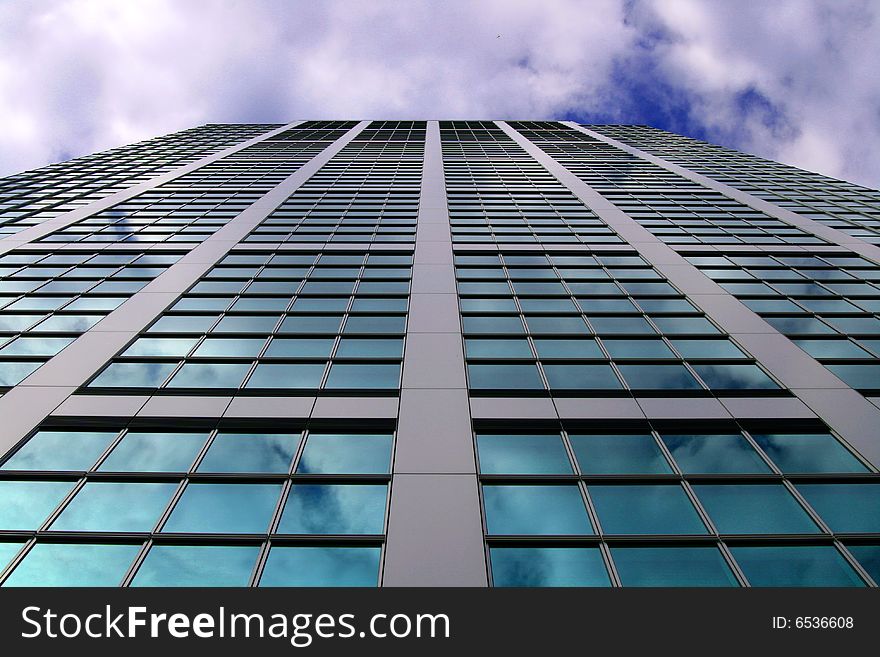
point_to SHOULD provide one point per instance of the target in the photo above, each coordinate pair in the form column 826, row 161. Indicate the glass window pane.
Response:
column 160, row 347
column 796, row 565
column 477, row 348
column 754, row 509
column 35, row 346
column 60, row 450
column 570, row 349
column 711, row 454
column 107, row 506
column 735, row 377
column 210, row 375
column 334, row 509
column 154, row 452
column 698, row 348
column 581, row 377
column 845, row 507
column 522, row 454
column 370, row 348
column 619, row 454
column 869, row 558
column 224, row 509
column 230, row 347
column 637, row 348
column 645, row 509
column 250, row 452
column 73, row 564
column 659, row 377
column 197, row 565
column 26, row 504
column 548, row 566
column 536, row 510
column 8, row 550
column 300, row 348
column 819, row 452
column 133, row 375
column 283, row 375
column 372, row 376
column 672, row 566
column 321, row 566
column 504, row 377
column 327, row 453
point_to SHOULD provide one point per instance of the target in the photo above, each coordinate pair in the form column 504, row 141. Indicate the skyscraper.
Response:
column 421, row 353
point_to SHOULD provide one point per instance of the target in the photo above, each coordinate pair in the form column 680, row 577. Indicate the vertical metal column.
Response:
column 435, row 535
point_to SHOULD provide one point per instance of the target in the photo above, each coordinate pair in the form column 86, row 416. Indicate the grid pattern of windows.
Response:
column 212, row 506
column 281, row 322
column 48, row 299
column 829, row 305
column 676, row 505
column 850, row 208
column 675, row 209
column 31, row 197
column 601, row 324
column 368, row 192
column 196, row 205
column 496, row 192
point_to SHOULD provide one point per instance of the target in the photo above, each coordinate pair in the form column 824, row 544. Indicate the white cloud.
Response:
column 83, row 75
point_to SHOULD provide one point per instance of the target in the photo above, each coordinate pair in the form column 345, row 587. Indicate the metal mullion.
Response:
column 773, row 467
column 854, row 563
column 136, row 563
column 23, row 551
column 814, row 516
column 108, row 450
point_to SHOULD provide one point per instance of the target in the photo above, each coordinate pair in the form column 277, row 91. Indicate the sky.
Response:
column 797, row 81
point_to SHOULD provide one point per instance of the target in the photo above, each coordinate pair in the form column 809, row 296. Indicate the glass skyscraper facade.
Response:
column 437, row 353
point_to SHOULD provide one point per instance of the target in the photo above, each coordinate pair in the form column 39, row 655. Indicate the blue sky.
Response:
column 793, row 80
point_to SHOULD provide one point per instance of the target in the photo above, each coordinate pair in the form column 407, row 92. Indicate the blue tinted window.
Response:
column 522, row 454
column 560, row 325
column 734, row 377
column 229, row 347
column 321, row 566
column 659, row 377
column 35, row 346
column 796, row 565
column 346, row 454
column 637, row 348
column 865, row 377
column 73, row 564
column 845, row 507
column 105, row 506
column 504, row 377
column 548, row 566
column 300, row 348
column 672, row 566
column 754, row 509
column 284, row 375
column 711, row 454
column 133, row 375
column 334, row 509
column 370, row 348
column 474, row 324
column 160, row 347
column 831, row 349
column 610, row 325
column 210, row 375
column 60, row 450
column 8, row 550
column 808, row 453
column 869, row 558
column 250, row 452
column 477, row 348
column 154, row 452
column 544, row 510
column 573, row 348
column 699, row 348
column 26, row 504
column 224, row 509
column 375, row 376
column 645, row 509
column 619, row 454
column 581, row 377
column 197, row 565
column 375, row 324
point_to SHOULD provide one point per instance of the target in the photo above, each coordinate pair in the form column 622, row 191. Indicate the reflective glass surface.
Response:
column 250, row 452
column 60, row 450
column 346, row 454
column 714, row 453
column 321, row 566
column 197, row 565
column 334, row 509
column 73, row 564
column 672, row 566
column 154, row 452
column 106, row 506
column 618, row 454
column 645, row 509
column 522, row 454
column 535, row 509
column 548, row 566
column 796, row 565
column 224, row 509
